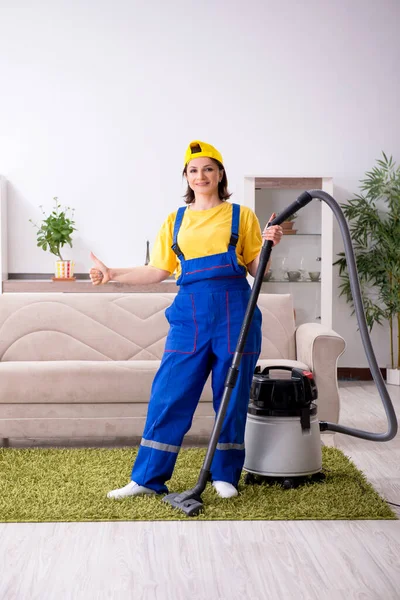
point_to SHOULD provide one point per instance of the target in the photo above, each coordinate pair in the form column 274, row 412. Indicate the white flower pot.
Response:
column 64, row 269
column 392, row 376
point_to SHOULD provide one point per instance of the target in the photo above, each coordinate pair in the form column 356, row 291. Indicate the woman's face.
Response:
column 203, row 176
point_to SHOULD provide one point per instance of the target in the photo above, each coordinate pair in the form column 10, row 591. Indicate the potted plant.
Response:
column 54, row 232
column 287, row 225
column 374, row 222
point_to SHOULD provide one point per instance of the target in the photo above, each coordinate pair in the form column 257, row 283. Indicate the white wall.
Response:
column 99, row 101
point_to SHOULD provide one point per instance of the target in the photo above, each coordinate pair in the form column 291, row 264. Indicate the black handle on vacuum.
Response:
column 293, row 370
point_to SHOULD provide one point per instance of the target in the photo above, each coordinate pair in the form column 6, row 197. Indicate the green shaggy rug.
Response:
column 38, row 485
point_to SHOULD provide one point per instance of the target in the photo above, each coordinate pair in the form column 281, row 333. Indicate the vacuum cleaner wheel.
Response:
column 286, row 482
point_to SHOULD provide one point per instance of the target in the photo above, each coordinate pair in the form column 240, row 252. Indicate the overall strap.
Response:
column 235, row 226
column 178, row 222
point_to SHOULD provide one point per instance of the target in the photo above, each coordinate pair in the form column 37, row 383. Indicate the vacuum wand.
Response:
column 190, row 502
column 237, row 357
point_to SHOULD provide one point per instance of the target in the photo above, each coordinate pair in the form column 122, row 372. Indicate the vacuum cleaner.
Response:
column 267, row 429
column 282, row 437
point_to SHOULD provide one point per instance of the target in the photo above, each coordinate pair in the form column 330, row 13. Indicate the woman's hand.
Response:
column 99, row 273
column 273, row 233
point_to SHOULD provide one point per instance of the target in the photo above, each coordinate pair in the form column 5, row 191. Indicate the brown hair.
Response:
column 223, row 191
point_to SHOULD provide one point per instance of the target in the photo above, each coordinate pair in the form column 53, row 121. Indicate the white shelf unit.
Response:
column 310, row 249
column 3, row 232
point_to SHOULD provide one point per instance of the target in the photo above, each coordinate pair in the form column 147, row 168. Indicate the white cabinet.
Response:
column 308, row 250
column 3, row 232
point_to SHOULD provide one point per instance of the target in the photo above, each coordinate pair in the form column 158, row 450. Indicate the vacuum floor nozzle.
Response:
column 188, row 502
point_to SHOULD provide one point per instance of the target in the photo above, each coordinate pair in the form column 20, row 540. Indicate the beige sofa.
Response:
column 80, row 366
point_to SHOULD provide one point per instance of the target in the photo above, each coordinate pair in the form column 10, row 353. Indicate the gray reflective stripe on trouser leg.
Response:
column 160, row 446
column 230, row 446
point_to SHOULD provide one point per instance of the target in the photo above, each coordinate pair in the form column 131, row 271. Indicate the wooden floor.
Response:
column 222, row 560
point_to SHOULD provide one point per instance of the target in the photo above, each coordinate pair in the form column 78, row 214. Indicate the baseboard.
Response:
column 357, row 374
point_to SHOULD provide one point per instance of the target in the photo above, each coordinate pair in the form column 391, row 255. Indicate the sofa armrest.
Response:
column 320, row 348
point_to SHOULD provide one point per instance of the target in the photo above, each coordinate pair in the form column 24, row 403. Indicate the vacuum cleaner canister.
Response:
column 282, row 437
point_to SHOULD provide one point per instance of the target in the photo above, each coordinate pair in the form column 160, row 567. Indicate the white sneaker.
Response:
column 225, row 489
column 131, row 489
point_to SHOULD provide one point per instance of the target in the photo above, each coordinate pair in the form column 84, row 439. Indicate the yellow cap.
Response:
column 197, row 149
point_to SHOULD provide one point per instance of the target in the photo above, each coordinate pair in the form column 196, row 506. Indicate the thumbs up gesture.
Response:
column 99, row 273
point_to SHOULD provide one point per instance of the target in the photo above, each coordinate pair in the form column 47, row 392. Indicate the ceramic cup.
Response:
column 314, row 275
column 294, row 275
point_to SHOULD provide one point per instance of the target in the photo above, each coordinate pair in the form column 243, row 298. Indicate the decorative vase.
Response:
column 392, row 376
column 64, row 270
column 287, row 227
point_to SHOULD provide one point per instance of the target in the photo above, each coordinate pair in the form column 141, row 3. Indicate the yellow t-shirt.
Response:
column 206, row 232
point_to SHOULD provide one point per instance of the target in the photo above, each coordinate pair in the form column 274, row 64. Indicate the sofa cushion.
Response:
column 79, row 381
column 114, row 327
column 278, row 326
column 83, row 326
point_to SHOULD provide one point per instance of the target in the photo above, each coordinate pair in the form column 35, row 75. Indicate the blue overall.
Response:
column 205, row 320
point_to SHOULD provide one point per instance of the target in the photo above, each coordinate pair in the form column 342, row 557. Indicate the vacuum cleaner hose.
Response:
column 362, row 324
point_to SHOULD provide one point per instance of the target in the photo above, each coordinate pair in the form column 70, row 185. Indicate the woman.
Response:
column 210, row 244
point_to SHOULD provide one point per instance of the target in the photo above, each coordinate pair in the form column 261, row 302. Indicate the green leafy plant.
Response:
column 374, row 223
column 56, row 229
